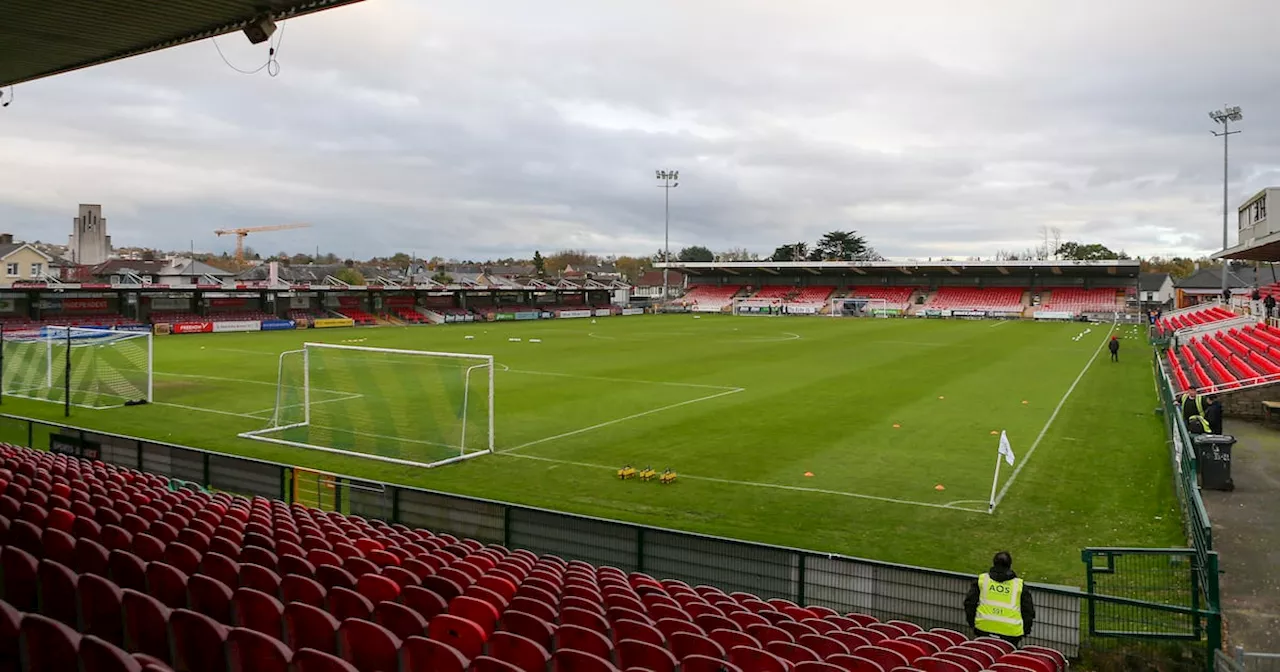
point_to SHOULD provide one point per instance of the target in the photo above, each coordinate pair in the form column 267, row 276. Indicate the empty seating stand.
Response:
column 895, row 298
column 1077, row 300
column 1201, row 316
column 978, row 298
column 110, row 569
column 710, row 298
column 1230, row 359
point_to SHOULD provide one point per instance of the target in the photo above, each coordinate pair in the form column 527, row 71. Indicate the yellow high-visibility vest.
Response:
column 999, row 606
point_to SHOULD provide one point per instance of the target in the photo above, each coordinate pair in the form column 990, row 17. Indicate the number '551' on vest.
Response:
column 999, row 606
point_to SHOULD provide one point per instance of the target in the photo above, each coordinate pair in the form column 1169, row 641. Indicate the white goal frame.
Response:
column 875, row 307
column 482, row 362
column 46, row 337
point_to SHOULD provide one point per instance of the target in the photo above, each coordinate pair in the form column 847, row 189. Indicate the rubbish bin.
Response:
column 1213, row 461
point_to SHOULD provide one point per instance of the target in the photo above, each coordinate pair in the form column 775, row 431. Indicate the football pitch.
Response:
column 869, row 437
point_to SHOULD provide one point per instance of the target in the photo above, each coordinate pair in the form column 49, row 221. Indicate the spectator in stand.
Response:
column 1226, row 297
column 1256, row 298
column 1270, row 304
column 1114, row 346
column 997, row 605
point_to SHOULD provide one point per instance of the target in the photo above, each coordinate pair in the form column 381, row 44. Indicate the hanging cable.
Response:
column 272, row 64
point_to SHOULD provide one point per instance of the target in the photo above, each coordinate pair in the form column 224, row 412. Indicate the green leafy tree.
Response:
column 843, row 246
column 632, row 268
column 539, row 264
column 1073, row 251
column 696, row 253
column 791, row 252
column 350, row 275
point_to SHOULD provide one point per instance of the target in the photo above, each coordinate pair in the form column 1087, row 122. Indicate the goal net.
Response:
column 856, row 307
column 94, row 368
column 404, row 406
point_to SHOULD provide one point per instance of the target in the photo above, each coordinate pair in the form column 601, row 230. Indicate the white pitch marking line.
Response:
column 774, row 486
column 1045, row 430
column 242, row 380
column 621, row 380
column 205, row 410
column 633, row 416
column 999, row 323
column 349, row 397
column 244, row 352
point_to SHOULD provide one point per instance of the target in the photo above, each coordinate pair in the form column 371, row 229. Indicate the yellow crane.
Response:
column 240, row 233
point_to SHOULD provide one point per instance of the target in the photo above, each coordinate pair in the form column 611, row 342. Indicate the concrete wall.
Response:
column 1247, row 404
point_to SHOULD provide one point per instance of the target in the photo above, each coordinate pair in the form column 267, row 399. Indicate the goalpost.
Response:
column 408, row 407
column 77, row 366
column 856, row 307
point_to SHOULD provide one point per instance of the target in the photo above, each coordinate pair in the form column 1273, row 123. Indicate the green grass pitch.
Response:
column 879, row 411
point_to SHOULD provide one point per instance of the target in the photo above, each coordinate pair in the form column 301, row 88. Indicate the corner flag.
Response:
column 1005, row 448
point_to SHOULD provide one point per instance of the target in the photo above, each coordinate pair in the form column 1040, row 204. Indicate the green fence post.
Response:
column 31, row 434
column 286, row 492
column 208, row 471
column 1214, row 640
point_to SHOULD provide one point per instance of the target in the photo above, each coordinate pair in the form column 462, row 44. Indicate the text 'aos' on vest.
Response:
column 999, row 607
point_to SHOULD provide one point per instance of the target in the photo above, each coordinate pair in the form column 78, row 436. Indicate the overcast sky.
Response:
column 475, row 129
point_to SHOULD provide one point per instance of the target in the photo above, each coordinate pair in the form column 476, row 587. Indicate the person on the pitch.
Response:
column 997, row 603
column 1114, row 347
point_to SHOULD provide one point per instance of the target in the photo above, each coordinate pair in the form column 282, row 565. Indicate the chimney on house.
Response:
column 6, row 238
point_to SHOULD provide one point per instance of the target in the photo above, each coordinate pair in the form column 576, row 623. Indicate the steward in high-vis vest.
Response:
column 997, row 603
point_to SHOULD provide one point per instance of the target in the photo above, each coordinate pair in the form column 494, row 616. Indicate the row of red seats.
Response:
column 258, row 566
column 1079, row 300
column 225, row 316
column 1228, row 359
column 360, row 317
column 977, row 298
column 898, row 298
column 409, row 315
column 1206, row 315
column 711, row 296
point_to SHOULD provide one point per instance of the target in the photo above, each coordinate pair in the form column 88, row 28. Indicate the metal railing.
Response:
column 928, row 597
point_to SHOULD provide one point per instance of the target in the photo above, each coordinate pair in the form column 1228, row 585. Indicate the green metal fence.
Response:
column 1066, row 616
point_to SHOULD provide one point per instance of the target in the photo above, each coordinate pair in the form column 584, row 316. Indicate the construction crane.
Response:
column 244, row 231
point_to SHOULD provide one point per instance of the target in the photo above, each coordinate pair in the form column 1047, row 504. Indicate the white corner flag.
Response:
column 1005, row 451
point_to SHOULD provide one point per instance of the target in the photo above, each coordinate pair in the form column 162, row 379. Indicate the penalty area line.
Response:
column 633, row 416
column 772, row 486
column 1049, row 423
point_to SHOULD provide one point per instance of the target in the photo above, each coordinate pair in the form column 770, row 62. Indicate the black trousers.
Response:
column 1016, row 641
column 1115, row 356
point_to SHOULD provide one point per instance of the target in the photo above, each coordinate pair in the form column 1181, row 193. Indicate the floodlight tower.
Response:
column 670, row 180
column 1225, row 116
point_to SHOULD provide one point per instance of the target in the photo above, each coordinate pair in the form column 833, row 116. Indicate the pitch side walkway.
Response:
column 1246, row 531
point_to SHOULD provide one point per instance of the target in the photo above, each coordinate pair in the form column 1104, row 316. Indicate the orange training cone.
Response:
column 896, row 425
column 808, row 474
column 939, row 487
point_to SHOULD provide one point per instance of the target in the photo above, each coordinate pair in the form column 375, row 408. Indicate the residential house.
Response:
column 1155, row 289
column 650, row 284
column 1205, row 285
column 603, row 272
column 126, row 272
column 183, row 271
column 22, row 262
